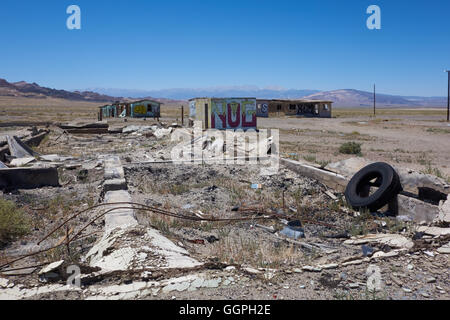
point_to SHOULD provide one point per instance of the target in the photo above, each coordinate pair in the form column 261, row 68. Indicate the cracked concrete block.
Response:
column 123, row 217
column 114, row 173
column 114, row 185
column 113, row 168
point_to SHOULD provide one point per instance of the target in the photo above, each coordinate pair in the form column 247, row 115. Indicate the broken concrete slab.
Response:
column 51, row 272
column 123, row 217
column 416, row 209
column 114, row 185
column 86, row 128
column 28, row 178
column 393, row 240
column 54, row 158
column 113, row 168
column 135, row 128
column 17, row 150
column 331, row 179
column 381, row 254
column 92, row 165
column 445, row 249
column 19, row 162
column 78, row 125
column 110, row 255
column 4, row 283
column 434, row 231
column 31, row 141
column 311, row 269
column 159, row 133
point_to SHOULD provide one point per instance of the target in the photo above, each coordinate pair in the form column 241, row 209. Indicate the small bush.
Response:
column 13, row 222
column 310, row 158
column 350, row 148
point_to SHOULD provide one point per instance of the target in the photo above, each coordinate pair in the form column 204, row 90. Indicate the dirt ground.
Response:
column 418, row 140
column 255, row 260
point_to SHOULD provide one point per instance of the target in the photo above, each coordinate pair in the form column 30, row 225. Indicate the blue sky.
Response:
column 149, row 45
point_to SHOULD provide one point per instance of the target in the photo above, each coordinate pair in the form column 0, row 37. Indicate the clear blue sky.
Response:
column 137, row 44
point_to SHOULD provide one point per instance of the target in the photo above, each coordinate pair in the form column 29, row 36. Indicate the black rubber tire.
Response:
column 388, row 183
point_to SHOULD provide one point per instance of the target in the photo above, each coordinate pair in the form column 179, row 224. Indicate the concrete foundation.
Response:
column 28, row 178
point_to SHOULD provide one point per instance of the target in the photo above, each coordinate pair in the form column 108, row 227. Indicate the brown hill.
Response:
column 33, row 90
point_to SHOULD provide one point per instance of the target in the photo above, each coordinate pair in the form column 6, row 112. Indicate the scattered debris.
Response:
column 293, row 230
column 367, row 250
column 52, row 272
column 158, row 229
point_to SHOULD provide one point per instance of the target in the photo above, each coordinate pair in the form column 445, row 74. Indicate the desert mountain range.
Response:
column 342, row 97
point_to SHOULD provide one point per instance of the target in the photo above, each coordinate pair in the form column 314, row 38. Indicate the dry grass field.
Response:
column 412, row 138
column 19, row 109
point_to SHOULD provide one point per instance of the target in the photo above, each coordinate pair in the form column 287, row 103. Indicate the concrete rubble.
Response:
column 411, row 180
column 394, row 240
column 136, row 254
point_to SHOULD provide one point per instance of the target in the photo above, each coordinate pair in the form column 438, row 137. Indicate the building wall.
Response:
column 262, row 108
column 225, row 113
column 325, row 110
column 109, row 111
column 145, row 109
column 299, row 108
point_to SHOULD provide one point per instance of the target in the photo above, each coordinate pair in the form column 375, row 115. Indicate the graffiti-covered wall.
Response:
column 262, row 109
column 224, row 113
column 233, row 113
column 144, row 109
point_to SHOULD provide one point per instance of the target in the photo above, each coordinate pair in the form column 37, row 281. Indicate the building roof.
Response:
column 145, row 100
column 131, row 102
column 222, row 98
column 297, row 100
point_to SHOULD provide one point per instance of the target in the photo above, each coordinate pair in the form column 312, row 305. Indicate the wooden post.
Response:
column 182, row 115
column 374, row 101
column 67, row 240
column 448, row 97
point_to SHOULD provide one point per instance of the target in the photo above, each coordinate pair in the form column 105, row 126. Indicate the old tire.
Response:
column 387, row 181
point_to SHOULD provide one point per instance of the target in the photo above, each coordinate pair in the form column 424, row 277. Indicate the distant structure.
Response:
column 224, row 113
column 136, row 109
column 301, row 108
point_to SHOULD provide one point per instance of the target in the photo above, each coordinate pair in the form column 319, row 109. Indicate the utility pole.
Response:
column 374, row 101
column 448, row 96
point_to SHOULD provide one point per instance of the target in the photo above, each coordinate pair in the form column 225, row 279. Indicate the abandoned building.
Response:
column 136, row 109
column 224, row 113
column 305, row 108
